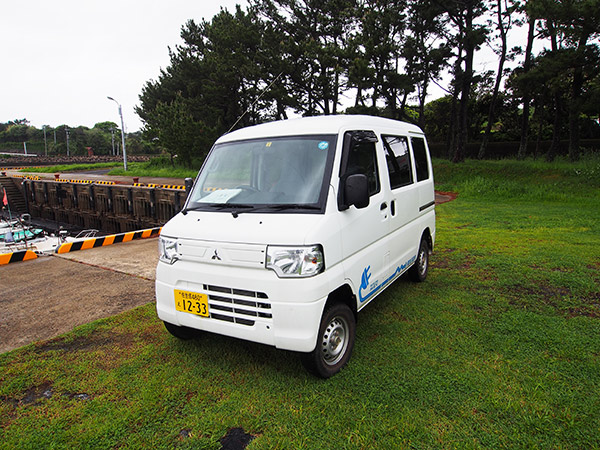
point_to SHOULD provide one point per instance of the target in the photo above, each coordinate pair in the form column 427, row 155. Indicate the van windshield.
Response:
column 271, row 174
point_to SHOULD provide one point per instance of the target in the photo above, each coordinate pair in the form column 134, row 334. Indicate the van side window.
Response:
column 363, row 159
column 398, row 160
column 418, row 145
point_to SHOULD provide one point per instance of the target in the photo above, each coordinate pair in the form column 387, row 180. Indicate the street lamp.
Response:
column 122, row 133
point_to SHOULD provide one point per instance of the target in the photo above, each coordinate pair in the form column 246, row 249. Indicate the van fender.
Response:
column 345, row 294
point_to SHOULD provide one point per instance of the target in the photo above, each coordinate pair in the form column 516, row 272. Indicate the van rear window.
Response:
column 397, row 157
column 418, row 145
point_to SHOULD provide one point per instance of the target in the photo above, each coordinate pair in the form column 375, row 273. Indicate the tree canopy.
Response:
column 98, row 139
column 381, row 57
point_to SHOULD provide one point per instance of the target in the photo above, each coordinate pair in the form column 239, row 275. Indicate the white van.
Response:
column 294, row 226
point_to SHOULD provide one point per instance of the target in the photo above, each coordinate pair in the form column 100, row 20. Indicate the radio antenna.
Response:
column 255, row 101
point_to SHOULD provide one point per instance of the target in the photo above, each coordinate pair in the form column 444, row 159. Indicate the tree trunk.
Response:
column 527, row 95
column 575, row 106
column 422, row 99
column 336, row 87
column 453, row 125
column 558, row 108
column 463, row 112
column 558, row 118
column 488, row 128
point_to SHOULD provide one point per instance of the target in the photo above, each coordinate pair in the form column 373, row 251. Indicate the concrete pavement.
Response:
column 51, row 295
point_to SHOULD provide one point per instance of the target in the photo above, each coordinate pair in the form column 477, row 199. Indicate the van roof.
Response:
column 318, row 125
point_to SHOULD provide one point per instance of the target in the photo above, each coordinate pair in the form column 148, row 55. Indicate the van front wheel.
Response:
column 418, row 272
column 334, row 342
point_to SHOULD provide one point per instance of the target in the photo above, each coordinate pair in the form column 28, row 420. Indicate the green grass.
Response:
column 499, row 348
column 70, row 167
column 158, row 167
column 155, row 168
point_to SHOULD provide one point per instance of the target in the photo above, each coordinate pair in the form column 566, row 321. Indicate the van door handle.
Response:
column 383, row 206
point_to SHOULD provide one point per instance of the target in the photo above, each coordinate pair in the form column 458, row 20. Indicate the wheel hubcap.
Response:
column 422, row 262
column 335, row 341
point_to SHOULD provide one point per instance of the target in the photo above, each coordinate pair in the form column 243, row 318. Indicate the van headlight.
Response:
column 167, row 249
column 290, row 262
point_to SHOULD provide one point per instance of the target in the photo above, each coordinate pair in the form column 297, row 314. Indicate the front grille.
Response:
column 237, row 305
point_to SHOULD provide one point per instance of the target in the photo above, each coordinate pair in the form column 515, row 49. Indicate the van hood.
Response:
column 247, row 228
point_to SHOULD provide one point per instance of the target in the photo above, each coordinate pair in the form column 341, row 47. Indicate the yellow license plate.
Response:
column 191, row 302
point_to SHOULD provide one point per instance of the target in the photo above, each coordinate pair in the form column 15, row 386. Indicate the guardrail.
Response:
column 103, row 241
column 21, row 255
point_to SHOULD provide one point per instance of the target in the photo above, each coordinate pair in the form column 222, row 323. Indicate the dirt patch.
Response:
column 561, row 299
column 443, row 197
column 43, row 298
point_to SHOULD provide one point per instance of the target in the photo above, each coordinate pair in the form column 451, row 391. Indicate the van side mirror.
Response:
column 356, row 191
column 189, row 182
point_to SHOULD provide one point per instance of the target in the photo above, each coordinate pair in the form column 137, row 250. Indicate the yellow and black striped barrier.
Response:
column 21, row 255
column 163, row 186
column 60, row 180
column 29, row 177
column 20, row 168
column 107, row 240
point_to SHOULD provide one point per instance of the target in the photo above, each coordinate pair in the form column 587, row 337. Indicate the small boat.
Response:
column 4, row 224
column 18, row 234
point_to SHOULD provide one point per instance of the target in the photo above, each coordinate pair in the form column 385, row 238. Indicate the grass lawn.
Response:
column 158, row 168
column 499, row 348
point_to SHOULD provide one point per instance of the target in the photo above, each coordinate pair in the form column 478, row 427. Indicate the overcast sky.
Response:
column 60, row 59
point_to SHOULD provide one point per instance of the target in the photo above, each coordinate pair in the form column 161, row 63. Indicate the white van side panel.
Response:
column 359, row 276
column 385, row 248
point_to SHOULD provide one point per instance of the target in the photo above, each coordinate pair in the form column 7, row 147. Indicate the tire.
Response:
column 335, row 342
column 183, row 333
column 418, row 272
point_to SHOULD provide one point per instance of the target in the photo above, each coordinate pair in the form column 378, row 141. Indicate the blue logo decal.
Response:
column 375, row 287
column 323, row 145
column 365, row 278
column 364, row 284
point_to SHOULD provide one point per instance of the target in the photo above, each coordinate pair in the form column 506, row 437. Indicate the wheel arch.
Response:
column 344, row 295
column 427, row 236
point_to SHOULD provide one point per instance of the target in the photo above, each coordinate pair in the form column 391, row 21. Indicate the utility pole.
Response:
column 67, row 134
column 122, row 133
column 45, row 142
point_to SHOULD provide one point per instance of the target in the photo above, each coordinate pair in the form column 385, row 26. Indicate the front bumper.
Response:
column 246, row 303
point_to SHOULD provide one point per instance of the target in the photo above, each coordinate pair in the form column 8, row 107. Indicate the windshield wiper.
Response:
column 279, row 207
column 184, row 211
column 238, row 208
column 219, row 206
column 284, row 206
